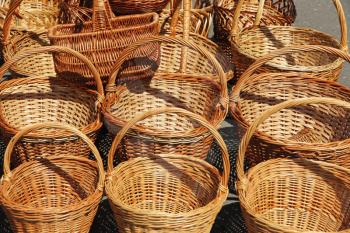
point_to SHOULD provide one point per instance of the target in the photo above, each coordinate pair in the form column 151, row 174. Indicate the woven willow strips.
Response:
column 102, row 40
column 39, row 99
column 201, row 94
column 320, row 132
column 166, row 192
column 258, row 41
column 58, row 194
column 293, row 195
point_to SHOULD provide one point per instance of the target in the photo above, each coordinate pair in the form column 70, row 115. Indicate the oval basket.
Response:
column 56, row 194
column 144, row 192
column 318, row 131
column 39, row 99
column 199, row 93
column 258, row 41
column 293, row 195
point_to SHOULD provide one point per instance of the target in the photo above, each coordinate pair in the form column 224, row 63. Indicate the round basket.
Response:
column 40, row 99
column 258, row 41
column 293, row 195
column 278, row 12
column 312, row 132
column 197, row 93
column 144, row 192
column 37, row 17
column 57, row 194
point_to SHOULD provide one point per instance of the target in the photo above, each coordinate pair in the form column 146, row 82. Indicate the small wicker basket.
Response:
column 58, row 194
column 320, row 132
column 36, row 99
column 258, row 41
column 199, row 93
column 293, row 195
column 166, row 192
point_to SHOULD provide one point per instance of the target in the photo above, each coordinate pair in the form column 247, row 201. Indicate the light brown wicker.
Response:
column 166, row 192
column 53, row 195
column 29, row 32
column 102, row 40
column 201, row 94
column 274, row 12
column 293, row 195
column 200, row 18
column 36, row 99
column 320, row 132
column 257, row 41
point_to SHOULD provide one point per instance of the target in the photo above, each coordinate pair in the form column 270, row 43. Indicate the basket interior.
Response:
column 200, row 97
column 46, row 100
column 316, row 123
column 261, row 41
column 52, row 183
column 162, row 184
column 300, row 195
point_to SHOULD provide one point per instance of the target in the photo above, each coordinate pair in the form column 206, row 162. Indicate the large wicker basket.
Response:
column 320, row 132
column 255, row 42
column 199, row 93
column 102, row 40
column 166, row 192
column 58, row 194
column 40, row 99
column 280, row 12
column 293, row 195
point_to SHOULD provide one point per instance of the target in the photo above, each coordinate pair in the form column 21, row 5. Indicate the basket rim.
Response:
column 110, row 100
column 88, row 129
column 221, row 196
column 236, row 113
column 9, row 204
column 335, row 64
column 54, row 32
column 251, row 171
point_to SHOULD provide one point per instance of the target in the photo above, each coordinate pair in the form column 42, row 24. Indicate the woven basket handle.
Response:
column 288, row 50
column 235, row 22
column 12, row 11
column 111, row 85
column 28, row 52
column 101, row 15
column 60, row 126
column 241, row 178
column 199, row 119
column 337, row 4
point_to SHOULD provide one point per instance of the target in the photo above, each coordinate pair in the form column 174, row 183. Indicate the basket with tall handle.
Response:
column 167, row 192
column 199, row 93
column 289, row 195
column 40, row 99
column 280, row 12
column 57, row 194
column 308, row 131
column 102, row 40
column 257, row 41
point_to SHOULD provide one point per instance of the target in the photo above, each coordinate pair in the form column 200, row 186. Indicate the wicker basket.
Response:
column 255, row 42
column 275, row 12
column 311, row 132
column 198, row 93
column 29, row 32
column 293, row 195
column 144, row 192
column 39, row 99
column 102, row 40
column 59, row 194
